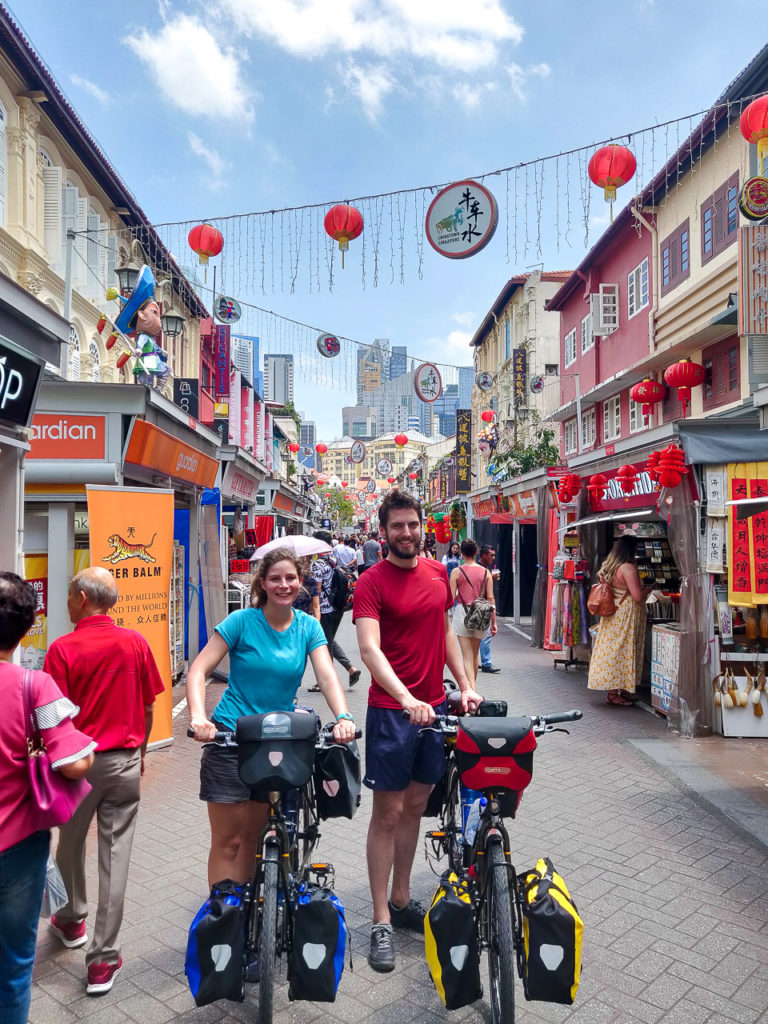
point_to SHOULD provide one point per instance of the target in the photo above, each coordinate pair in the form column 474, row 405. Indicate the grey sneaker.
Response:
column 382, row 954
column 410, row 916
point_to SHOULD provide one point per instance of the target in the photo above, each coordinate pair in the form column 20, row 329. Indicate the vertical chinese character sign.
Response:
column 753, row 280
column 748, row 548
column 519, row 374
column 461, row 220
column 463, row 451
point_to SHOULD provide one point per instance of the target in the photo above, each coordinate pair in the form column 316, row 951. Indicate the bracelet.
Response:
column 344, row 715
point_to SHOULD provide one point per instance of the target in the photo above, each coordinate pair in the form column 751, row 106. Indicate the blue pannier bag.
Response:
column 216, row 946
column 316, row 960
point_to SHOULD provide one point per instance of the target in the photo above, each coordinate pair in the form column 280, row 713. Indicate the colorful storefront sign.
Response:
column 152, row 448
column 221, row 361
column 748, row 547
column 519, row 375
column 753, row 280
column 463, row 451
column 67, row 435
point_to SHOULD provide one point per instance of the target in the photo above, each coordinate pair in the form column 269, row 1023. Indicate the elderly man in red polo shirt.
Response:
column 110, row 673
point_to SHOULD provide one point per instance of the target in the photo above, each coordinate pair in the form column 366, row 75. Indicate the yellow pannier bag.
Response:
column 552, row 936
column 450, row 944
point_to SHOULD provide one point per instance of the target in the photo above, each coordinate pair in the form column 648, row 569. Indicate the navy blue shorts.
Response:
column 396, row 753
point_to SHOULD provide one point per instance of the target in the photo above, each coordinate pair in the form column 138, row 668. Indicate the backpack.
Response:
column 316, row 958
column 339, row 588
column 553, row 934
column 337, row 780
column 478, row 615
column 601, row 600
column 450, row 944
column 216, row 946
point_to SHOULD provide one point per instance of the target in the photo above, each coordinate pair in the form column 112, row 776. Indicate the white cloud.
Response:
column 519, row 77
column 454, row 348
column 370, row 84
column 469, row 96
column 216, row 164
column 193, row 71
column 88, row 86
column 466, row 319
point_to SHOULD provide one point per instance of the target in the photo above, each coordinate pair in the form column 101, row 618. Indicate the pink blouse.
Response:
column 64, row 742
column 467, row 592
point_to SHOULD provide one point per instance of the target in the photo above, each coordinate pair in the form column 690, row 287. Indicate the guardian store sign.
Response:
column 20, row 376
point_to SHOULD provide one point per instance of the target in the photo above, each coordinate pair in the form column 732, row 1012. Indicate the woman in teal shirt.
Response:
column 268, row 645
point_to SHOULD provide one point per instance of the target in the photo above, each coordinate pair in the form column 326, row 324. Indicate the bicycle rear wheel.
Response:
column 501, row 947
column 268, row 939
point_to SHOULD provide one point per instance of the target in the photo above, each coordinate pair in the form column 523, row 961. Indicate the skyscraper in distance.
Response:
column 278, row 378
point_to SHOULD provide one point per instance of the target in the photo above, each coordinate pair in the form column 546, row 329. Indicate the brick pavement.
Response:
column 674, row 897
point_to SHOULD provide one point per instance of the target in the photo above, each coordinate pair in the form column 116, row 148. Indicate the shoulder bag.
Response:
column 55, row 798
column 600, row 600
column 478, row 615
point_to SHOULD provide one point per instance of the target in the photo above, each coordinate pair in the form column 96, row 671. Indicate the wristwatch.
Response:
column 346, row 715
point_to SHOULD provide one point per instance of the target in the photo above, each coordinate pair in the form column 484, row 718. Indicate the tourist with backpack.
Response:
column 335, row 586
column 475, row 610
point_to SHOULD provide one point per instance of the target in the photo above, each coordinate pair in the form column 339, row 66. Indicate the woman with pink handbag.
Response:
column 42, row 756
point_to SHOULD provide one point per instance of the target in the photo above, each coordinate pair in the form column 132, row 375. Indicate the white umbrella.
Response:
column 297, row 543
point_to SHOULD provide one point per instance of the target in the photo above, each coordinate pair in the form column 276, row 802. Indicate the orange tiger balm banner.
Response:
column 131, row 534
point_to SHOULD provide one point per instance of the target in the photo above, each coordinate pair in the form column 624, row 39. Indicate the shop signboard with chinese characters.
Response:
column 753, row 279
column 463, row 451
column 357, row 452
column 461, row 220
column 519, row 375
column 427, row 382
column 748, row 547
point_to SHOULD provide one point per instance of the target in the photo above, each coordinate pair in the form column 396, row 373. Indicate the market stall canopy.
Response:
column 716, row 440
column 748, row 507
column 605, row 516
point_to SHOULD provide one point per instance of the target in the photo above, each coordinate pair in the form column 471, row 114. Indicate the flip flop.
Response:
column 354, row 676
column 313, row 689
column 617, row 701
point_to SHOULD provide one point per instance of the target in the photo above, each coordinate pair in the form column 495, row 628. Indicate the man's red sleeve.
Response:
column 366, row 603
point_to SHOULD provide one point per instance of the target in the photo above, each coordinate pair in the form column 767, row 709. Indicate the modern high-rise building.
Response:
column 398, row 361
column 278, row 378
column 466, row 383
column 372, row 367
column 307, row 440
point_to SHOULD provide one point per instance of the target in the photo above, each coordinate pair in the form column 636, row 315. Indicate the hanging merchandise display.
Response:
column 684, row 376
column 461, row 220
column 648, row 392
column 457, row 516
column 343, row 223
column 328, row 345
column 206, row 241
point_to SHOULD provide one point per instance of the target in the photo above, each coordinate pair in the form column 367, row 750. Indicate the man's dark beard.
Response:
column 399, row 552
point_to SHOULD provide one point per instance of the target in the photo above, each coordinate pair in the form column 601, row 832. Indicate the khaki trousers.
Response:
column 115, row 778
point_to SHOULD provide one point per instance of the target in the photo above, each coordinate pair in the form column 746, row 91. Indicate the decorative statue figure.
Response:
column 140, row 316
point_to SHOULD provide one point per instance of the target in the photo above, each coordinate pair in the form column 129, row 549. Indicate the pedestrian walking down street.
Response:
column 371, row 551
column 467, row 582
column 110, row 673
column 330, row 617
column 487, row 558
column 405, row 639
column 23, row 845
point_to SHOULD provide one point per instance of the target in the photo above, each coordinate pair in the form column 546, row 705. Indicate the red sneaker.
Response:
column 71, row 933
column 101, row 977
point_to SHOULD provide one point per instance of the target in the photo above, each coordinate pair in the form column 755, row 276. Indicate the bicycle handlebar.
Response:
column 541, row 723
column 228, row 737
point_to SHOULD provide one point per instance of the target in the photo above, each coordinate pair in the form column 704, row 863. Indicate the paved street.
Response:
column 674, row 895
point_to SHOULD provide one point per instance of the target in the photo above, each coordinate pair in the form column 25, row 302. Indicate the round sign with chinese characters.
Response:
column 371, row 487
column 427, row 382
column 227, row 309
column 461, row 220
column 753, row 202
column 383, row 468
column 328, row 345
column 357, row 452
column 484, row 380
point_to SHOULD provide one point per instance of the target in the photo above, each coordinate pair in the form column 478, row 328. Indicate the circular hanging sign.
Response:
column 754, row 198
column 383, row 468
column 347, row 458
column 461, row 220
column 328, row 345
column 357, row 452
column 427, row 382
column 227, row 309
column 371, row 487
column 537, row 384
column 484, row 380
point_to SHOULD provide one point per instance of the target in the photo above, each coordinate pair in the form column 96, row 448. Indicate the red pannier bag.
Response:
column 496, row 754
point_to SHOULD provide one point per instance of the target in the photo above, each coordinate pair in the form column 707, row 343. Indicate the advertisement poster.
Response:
column 34, row 645
column 131, row 532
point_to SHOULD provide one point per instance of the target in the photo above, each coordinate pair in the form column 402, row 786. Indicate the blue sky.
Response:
column 248, row 105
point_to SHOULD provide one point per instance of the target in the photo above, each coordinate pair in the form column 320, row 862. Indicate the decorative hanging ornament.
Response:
column 345, row 483
column 343, row 223
column 597, row 486
column 487, row 415
column 668, row 465
column 684, row 376
column 648, row 393
column 293, row 447
column 413, row 476
column 754, row 128
column 390, row 479
column 484, row 380
column 321, row 448
column 627, row 477
column 427, row 382
column 611, row 167
column 320, row 481
column 568, row 487
column 401, row 440
column 461, row 219
column 328, row 345
column 206, row 241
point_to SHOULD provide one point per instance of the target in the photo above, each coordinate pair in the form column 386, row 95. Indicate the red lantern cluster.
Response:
column 206, row 241
column 684, row 376
column 649, row 392
column 597, row 486
column 487, row 416
column 667, row 466
column 611, row 167
column 343, row 223
column 627, row 477
column 321, row 448
column 568, row 487
column 401, row 440
column 442, row 530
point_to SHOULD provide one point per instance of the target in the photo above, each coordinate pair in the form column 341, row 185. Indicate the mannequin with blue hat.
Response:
column 140, row 315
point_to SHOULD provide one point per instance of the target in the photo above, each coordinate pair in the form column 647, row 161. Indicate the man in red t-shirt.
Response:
column 400, row 610
column 111, row 675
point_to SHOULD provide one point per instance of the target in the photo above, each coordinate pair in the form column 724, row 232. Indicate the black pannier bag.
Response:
column 337, row 780
column 275, row 751
column 216, row 946
column 496, row 754
column 316, row 959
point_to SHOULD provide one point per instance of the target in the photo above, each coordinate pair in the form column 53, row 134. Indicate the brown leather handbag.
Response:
column 600, row 600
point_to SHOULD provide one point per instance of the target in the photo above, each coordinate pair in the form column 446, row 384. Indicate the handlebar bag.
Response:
column 496, row 753
column 337, row 780
column 316, row 958
column 275, row 751
column 553, row 934
column 216, row 946
column 451, row 946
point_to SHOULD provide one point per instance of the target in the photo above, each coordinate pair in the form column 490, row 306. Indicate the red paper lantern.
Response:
column 611, row 167
column 487, row 416
column 413, row 476
column 320, row 481
column 568, row 487
column 627, row 477
column 754, row 128
column 344, row 483
column 684, row 376
column 669, row 465
column 648, row 392
column 390, row 479
column 122, row 360
column 597, row 487
column 343, row 223
column 321, row 448
column 401, row 440
column 206, row 241
column 101, row 324
column 293, row 447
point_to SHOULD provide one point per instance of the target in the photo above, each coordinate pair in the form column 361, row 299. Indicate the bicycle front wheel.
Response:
column 501, row 948
column 451, row 820
column 267, row 941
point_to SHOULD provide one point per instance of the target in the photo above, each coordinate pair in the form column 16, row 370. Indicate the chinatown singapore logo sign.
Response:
column 461, row 220
column 427, row 382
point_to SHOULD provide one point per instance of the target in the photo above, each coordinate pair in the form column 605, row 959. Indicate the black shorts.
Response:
column 219, row 779
column 396, row 753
